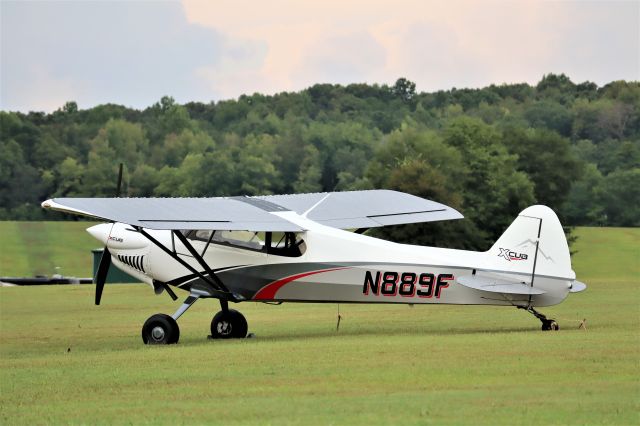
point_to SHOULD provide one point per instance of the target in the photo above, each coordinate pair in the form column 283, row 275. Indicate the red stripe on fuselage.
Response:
column 269, row 291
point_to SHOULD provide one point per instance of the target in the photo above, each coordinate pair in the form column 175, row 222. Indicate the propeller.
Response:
column 105, row 260
column 101, row 274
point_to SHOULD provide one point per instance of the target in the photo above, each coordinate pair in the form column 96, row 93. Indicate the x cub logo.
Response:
column 512, row 255
column 504, row 253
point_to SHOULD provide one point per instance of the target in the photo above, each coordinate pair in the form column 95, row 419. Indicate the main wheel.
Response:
column 229, row 324
column 160, row 329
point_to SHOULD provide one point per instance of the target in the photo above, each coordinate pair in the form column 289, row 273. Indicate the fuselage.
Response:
column 324, row 264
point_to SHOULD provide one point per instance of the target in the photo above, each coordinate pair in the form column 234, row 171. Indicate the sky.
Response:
column 134, row 52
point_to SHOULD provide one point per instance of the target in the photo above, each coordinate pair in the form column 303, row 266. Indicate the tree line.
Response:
column 487, row 152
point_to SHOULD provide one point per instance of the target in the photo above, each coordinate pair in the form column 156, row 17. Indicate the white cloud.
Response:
column 130, row 53
column 42, row 91
column 347, row 58
column 438, row 44
column 133, row 53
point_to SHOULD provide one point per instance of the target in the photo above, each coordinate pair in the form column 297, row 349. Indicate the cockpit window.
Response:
column 288, row 244
column 199, row 234
column 246, row 239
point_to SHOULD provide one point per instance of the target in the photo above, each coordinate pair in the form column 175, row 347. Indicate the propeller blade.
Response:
column 105, row 260
column 101, row 274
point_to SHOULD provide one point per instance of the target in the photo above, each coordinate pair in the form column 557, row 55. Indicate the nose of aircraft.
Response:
column 100, row 232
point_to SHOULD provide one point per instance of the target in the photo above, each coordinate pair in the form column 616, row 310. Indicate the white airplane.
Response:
column 297, row 248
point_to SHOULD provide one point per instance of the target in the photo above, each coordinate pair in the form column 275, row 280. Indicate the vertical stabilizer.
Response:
column 535, row 227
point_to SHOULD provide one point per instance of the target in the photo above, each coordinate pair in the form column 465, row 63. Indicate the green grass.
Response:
column 38, row 248
column 64, row 360
column 608, row 253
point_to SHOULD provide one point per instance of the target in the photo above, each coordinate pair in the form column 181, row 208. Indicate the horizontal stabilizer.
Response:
column 577, row 286
column 497, row 285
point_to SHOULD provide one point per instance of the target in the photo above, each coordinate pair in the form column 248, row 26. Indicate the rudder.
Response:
column 515, row 250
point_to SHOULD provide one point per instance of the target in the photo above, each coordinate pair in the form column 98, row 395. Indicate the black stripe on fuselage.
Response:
column 180, row 280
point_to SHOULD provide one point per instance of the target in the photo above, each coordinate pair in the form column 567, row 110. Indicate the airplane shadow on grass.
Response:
column 281, row 337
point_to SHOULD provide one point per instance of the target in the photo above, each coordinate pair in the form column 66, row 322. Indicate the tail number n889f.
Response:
column 407, row 284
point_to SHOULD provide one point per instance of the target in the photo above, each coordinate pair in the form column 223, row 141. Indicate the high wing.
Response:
column 178, row 213
column 343, row 210
column 364, row 209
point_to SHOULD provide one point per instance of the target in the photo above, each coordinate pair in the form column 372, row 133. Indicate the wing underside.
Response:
column 343, row 210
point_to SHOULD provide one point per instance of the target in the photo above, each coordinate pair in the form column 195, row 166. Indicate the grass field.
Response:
column 37, row 248
column 67, row 361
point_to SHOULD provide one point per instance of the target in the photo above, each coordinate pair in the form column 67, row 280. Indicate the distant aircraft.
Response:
column 298, row 248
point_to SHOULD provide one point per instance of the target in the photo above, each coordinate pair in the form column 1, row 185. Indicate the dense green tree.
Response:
column 488, row 152
column 490, row 113
column 255, row 171
column 622, row 185
column 70, row 178
column 494, row 190
column 310, row 175
column 548, row 160
column 341, row 144
column 418, row 162
column 584, row 205
column 20, row 181
column 121, row 142
column 404, row 89
column 169, row 183
column 618, row 155
column 143, row 181
column 291, row 153
column 49, row 151
column 558, row 87
column 176, row 147
column 101, row 174
column 548, row 114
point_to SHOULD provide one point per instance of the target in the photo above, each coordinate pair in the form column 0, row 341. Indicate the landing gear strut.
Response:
column 161, row 329
column 547, row 323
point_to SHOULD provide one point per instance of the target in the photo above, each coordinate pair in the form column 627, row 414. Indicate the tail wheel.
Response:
column 550, row 325
column 160, row 329
column 229, row 324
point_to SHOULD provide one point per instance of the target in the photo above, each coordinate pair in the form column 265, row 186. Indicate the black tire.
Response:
column 549, row 325
column 160, row 329
column 229, row 324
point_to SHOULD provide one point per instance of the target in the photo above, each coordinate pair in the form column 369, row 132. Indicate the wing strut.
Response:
column 215, row 290
column 200, row 260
